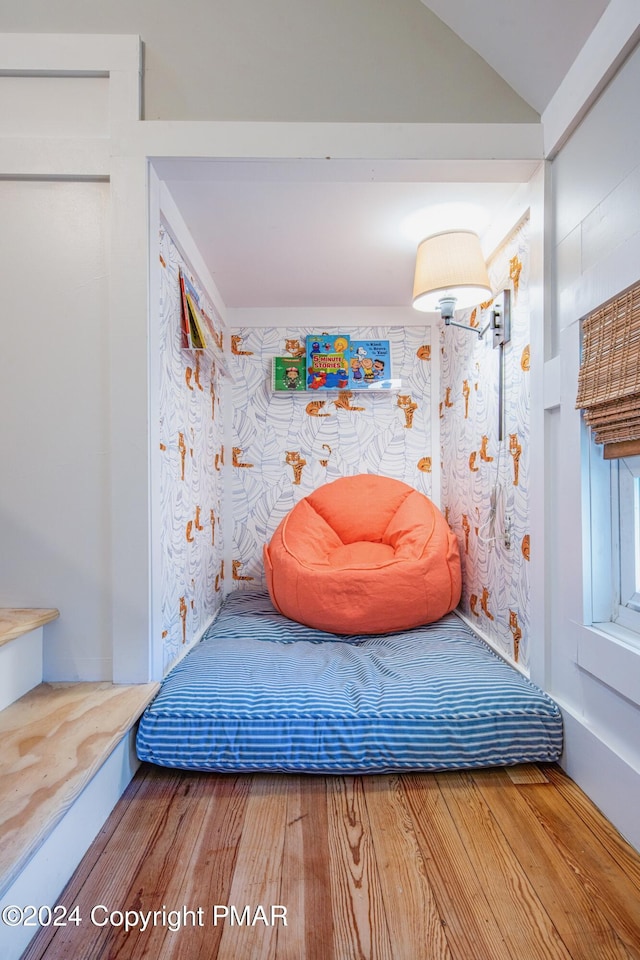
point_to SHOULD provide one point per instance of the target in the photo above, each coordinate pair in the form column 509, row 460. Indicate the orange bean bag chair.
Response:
column 363, row 554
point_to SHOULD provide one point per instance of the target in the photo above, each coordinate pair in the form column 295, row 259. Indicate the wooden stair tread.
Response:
column 14, row 621
column 54, row 739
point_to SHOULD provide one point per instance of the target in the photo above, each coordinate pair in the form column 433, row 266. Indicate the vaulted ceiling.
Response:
column 287, row 234
column 530, row 43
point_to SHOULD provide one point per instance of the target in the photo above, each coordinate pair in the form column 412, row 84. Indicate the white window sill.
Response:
column 611, row 654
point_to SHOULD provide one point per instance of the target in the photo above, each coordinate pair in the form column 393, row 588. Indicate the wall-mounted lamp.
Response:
column 450, row 269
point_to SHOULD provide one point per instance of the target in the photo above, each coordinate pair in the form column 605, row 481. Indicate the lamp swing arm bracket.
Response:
column 499, row 320
column 466, row 326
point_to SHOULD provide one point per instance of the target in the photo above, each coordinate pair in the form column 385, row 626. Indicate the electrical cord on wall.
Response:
column 497, row 524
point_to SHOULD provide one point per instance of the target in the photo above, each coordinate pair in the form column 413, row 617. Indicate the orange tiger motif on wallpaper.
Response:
column 235, row 572
column 514, row 626
column 408, row 407
column 465, row 393
column 526, row 546
column 294, row 348
column 236, row 340
column 192, row 525
column 483, row 450
column 484, row 603
column 314, row 407
column 424, row 464
column 235, row 458
column 424, row 352
column 515, row 450
column 183, row 617
column 293, row 459
column 196, row 373
column 344, row 401
column 324, row 462
column 182, row 447
column 515, row 269
column 466, row 526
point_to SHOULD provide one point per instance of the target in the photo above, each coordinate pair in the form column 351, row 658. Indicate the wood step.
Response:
column 54, row 740
column 15, row 621
column 21, row 650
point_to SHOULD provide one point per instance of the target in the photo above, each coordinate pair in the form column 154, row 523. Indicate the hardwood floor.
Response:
column 501, row 864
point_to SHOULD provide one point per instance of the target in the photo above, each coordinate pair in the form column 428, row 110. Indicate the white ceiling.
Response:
column 318, row 233
column 339, row 233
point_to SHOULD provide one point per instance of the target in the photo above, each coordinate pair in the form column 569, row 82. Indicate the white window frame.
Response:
column 625, row 524
column 613, row 495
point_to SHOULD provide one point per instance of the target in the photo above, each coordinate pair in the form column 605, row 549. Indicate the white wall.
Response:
column 54, row 429
column 298, row 60
column 596, row 220
column 74, row 512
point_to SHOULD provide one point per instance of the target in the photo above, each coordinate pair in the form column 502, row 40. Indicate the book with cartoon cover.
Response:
column 327, row 361
column 370, row 365
column 288, row 374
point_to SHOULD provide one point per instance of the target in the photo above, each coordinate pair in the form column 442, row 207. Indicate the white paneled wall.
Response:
column 596, row 218
column 597, row 200
column 54, row 106
column 54, row 433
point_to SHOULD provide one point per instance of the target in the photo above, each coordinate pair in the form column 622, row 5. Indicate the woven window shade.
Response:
column 609, row 382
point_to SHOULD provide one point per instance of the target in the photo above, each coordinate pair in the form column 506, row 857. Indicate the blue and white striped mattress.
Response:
column 260, row 692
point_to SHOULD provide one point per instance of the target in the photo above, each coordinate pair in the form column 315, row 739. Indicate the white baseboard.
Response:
column 611, row 782
column 51, row 867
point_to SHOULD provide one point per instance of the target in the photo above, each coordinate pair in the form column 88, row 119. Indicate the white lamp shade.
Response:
column 450, row 265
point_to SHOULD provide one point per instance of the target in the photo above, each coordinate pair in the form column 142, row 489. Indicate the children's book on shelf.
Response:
column 193, row 324
column 288, row 374
column 185, row 331
column 327, row 362
column 370, row 365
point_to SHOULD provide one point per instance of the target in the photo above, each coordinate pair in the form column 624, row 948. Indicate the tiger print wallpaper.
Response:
column 281, row 446
column 286, row 445
column 485, row 483
column 191, row 453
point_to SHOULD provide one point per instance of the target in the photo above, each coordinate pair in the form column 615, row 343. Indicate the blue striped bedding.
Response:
column 260, row 692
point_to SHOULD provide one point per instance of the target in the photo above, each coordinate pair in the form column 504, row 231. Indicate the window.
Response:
column 609, row 395
column 625, row 525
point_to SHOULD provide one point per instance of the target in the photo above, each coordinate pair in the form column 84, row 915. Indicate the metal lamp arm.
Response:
column 465, row 326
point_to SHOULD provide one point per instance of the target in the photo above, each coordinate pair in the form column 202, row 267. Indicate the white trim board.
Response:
column 53, row 864
column 608, row 779
column 612, row 40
